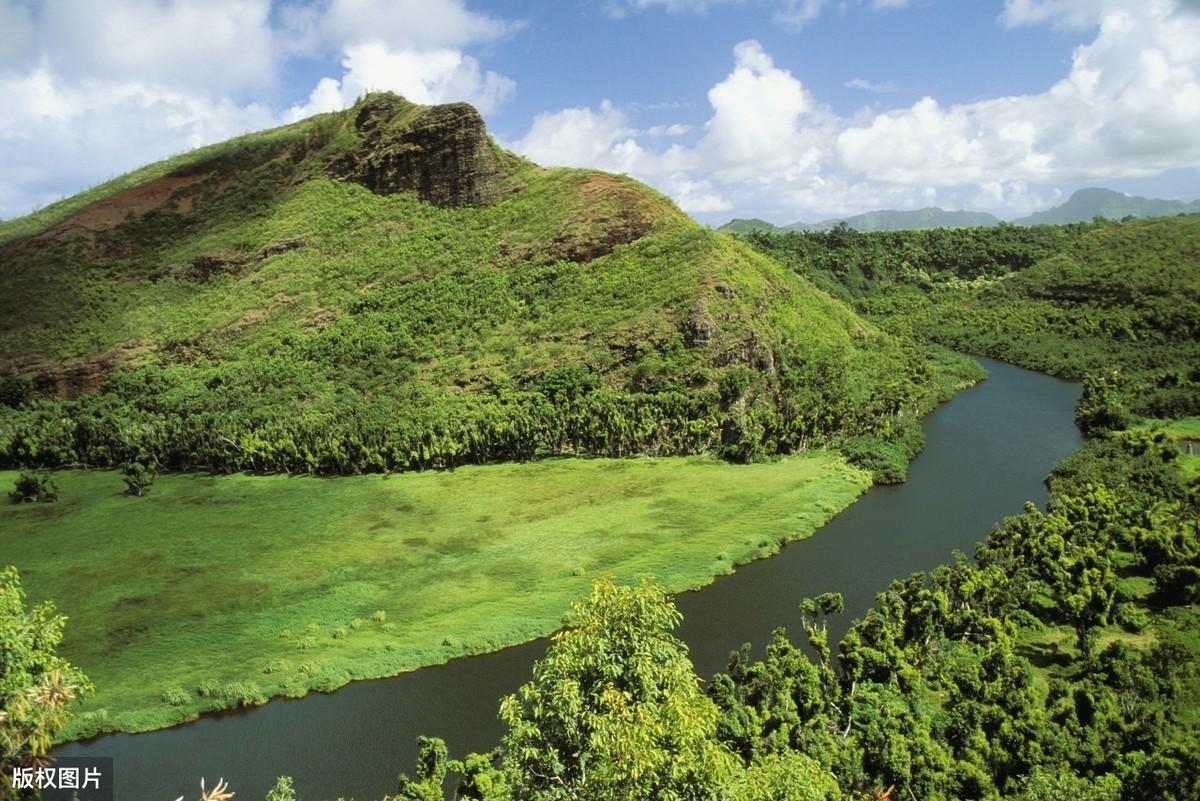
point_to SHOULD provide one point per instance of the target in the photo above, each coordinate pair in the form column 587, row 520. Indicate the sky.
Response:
column 781, row 109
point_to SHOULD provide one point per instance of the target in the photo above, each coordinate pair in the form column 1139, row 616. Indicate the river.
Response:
column 987, row 451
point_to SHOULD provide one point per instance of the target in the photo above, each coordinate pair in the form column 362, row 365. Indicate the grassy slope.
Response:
column 220, row 579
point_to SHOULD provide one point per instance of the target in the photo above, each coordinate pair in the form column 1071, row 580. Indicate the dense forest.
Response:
column 1111, row 303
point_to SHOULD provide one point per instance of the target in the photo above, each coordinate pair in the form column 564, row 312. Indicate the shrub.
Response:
column 175, row 696
column 34, row 486
column 282, row 791
column 357, row 623
column 138, row 478
column 244, row 693
column 380, row 616
column 340, row 633
column 307, row 643
column 275, row 666
column 1131, row 617
column 209, row 689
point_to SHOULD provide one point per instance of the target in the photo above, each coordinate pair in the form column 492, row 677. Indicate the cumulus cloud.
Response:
column 210, row 45
column 90, row 90
column 58, row 136
column 412, row 47
column 423, row 76
column 1128, row 106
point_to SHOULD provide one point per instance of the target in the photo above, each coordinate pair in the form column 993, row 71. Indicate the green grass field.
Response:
column 211, row 591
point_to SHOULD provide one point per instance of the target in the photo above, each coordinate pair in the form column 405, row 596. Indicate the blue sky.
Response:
column 784, row 109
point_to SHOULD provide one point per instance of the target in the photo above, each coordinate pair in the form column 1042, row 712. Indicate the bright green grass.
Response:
column 220, row 579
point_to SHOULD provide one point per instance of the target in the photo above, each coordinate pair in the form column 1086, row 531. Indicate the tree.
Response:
column 430, row 772
column 38, row 688
column 138, row 478
column 34, row 486
column 614, row 709
column 282, row 791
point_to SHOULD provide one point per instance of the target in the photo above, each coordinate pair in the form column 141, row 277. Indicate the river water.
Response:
column 987, row 451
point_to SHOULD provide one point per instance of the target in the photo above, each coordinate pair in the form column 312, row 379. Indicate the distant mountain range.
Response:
column 1082, row 206
column 1087, row 204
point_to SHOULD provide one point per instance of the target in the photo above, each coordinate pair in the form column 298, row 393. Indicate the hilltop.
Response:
column 385, row 288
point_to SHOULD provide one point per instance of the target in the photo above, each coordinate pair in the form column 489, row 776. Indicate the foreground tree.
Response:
column 615, row 709
column 38, row 688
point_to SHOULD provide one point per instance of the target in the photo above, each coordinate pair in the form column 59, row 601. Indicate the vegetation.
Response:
column 1114, row 304
column 360, row 577
column 34, row 486
column 255, row 306
column 955, row 686
column 38, row 688
column 138, row 478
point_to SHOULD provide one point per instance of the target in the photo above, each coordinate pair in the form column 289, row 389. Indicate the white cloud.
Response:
column 56, row 134
column 90, row 90
column 423, row 76
column 1065, row 13
column 210, row 45
column 674, row 129
column 416, row 24
column 575, row 136
column 878, row 87
column 1128, row 106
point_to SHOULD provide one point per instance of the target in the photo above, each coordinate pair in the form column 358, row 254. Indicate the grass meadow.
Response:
column 218, row 591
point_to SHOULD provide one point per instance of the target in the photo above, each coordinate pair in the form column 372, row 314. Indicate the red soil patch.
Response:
column 112, row 210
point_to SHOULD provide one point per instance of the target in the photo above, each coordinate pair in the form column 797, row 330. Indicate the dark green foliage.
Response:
column 935, row 693
column 34, row 486
column 138, row 477
column 1116, row 302
column 38, row 688
column 430, row 772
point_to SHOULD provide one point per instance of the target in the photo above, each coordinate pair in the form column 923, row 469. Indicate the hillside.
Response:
column 384, row 288
column 1113, row 300
column 1087, row 204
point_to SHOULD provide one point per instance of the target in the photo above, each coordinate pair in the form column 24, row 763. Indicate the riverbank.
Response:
column 216, row 592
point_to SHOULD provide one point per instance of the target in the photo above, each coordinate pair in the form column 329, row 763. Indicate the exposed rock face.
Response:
column 442, row 153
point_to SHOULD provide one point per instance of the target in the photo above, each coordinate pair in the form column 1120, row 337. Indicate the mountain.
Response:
column 1083, row 206
column 915, row 219
column 887, row 220
column 1087, row 204
column 742, row 225
column 385, row 288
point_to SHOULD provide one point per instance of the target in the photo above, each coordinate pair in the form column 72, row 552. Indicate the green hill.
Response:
column 385, row 288
column 1087, row 204
column 743, row 225
column 1114, row 300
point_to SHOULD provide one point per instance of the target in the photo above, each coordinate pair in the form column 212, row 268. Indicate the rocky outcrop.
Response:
column 442, row 153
